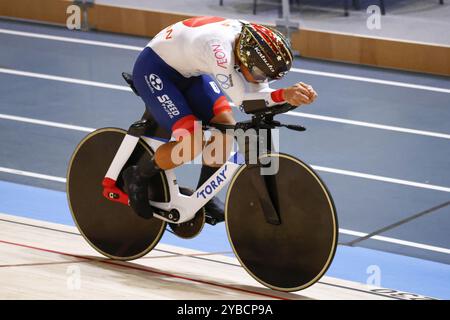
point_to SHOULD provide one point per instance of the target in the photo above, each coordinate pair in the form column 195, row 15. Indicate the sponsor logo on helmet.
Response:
column 225, row 81
column 263, row 58
column 155, row 82
column 220, row 55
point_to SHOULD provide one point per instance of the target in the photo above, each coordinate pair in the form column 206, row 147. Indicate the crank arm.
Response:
column 170, row 216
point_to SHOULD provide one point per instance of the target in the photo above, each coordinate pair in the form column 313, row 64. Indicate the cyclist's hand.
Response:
column 299, row 93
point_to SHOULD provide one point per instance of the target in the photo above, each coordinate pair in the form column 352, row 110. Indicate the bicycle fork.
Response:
column 265, row 186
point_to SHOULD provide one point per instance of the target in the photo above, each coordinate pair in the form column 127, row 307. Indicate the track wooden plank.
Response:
column 40, row 260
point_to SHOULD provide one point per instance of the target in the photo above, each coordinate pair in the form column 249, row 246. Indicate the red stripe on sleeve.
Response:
column 221, row 105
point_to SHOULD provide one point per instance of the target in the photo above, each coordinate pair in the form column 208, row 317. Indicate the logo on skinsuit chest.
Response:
column 214, row 87
column 214, row 184
column 226, row 82
column 220, row 56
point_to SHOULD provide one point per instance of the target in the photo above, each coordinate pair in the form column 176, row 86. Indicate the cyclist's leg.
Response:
column 224, row 141
column 159, row 86
column 210, row 105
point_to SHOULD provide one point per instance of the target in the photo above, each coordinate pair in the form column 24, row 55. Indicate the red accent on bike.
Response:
column 113, row 193
column 201, row 21
column 277, row 95
column 184, row 126
column 221, row 105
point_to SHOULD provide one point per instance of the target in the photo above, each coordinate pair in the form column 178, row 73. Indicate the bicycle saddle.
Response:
column 128, row 77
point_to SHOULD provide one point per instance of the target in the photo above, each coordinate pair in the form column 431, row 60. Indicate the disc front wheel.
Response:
column 295, row 253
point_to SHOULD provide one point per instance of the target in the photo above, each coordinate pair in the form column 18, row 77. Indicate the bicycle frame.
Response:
column 182, row 208
column 186, row 206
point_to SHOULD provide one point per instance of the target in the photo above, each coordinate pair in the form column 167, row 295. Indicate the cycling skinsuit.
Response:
column 183, row 71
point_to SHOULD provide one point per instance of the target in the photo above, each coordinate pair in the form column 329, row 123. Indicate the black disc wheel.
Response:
column 296, row 252
column 111, row 228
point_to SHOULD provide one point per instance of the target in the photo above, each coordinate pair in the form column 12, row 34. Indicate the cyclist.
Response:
column 182, row 75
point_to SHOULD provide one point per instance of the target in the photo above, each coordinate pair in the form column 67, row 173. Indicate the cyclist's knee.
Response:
column 218, row 149
column 224, row 118
column 187, row 148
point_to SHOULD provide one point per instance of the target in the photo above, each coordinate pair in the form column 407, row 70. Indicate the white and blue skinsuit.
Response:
column 184, row 71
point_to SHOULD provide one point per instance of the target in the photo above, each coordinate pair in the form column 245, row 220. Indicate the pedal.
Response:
column 210, row 220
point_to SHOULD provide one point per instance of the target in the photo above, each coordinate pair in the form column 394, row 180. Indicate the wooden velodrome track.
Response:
column 44, row 260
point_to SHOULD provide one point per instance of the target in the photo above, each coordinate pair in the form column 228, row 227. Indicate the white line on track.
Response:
column 318, row 168
column 396, row 241
column 371, row 80
column 32, row 174
column 291, row 113
column 45, row 123
column 297, row 70
column 67, row 39
column 381, row 178
column 64, row 79
column 369, row 125
column 343, row 231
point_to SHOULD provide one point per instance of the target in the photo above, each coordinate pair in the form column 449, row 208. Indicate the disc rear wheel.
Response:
column 111, row 228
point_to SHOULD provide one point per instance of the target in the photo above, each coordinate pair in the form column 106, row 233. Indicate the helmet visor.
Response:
column 257, row 74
